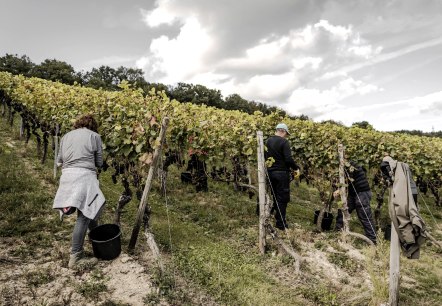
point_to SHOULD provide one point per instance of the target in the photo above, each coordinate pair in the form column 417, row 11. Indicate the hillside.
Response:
column 208, row 242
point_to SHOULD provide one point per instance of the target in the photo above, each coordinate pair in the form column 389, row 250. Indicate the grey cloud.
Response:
column 239, row 25
column 73, row 31
column 434, row 108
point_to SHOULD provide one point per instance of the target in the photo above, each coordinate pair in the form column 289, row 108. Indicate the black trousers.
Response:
column 360, row 203
column 280, row 187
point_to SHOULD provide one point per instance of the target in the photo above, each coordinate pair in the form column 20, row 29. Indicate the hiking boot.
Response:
column 78, row 259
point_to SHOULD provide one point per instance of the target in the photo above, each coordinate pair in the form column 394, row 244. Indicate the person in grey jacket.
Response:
column 79, row 155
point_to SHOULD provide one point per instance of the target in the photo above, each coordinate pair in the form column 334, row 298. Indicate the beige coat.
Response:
column 404, row 212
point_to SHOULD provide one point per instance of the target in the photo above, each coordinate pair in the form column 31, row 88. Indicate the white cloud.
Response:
column 340, row 32
column 316, row 103
column 181, row 58
column 302, row 38
column 142, row 62
column 302, row 62
column 265, row 53
column 162, row 14
column 267, row 87
column 365, row 51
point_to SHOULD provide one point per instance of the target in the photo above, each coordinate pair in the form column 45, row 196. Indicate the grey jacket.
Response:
column 80, row 148
column 403, row 210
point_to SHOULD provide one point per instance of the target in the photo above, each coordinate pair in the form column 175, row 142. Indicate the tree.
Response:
column 16, row 65
column 133, row 76
column 57, row 71
column 363, row 125
column 158, row 87
column 197, row 94
column 300, row 117
column 102, row 77
column 210, row 97
column 236, row 102
column 109, row 78
column 331, row 121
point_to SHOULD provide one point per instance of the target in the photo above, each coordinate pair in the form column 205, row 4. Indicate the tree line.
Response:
column 109, row 78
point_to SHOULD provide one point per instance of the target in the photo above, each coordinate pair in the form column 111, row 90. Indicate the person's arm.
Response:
column 288, row 156
column 99, row 153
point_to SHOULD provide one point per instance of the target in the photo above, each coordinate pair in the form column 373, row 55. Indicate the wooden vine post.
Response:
column 57, row 130
column 152, row 170
column 343, row 189
column 3, row 107
column 261, row 192
column 22, row 127
column 393, row 296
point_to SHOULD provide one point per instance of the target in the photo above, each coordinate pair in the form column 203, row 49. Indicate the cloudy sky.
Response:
column 377, row 60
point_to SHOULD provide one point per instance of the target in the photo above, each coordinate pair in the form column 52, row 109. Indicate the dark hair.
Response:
column 86, row 121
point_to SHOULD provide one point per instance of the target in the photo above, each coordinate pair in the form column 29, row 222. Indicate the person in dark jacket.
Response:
column 278, row 151
column 359, row 197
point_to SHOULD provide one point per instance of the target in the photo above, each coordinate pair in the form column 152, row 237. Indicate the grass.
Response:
column 377, row 265
column 210, row 240
column 26, row 206
column 92, row 287
column 39, row 277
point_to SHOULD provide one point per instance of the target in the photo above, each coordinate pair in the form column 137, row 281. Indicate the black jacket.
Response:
column 357, row 179
column 279, row 148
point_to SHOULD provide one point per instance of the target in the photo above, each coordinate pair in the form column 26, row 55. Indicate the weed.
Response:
column 152, row 298
column 166, row 288
column 39, row 277
column 320, row 295
column 343, row 261
column 320, row 245
column 92, row 287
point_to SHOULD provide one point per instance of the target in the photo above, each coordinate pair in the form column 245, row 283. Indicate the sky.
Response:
column 356, row 60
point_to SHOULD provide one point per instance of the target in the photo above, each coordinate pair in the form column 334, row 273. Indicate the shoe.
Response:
column 78, row 259
column 281, row 227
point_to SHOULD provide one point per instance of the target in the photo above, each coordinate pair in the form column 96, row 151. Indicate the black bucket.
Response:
column 106, row 241
column 327, row 220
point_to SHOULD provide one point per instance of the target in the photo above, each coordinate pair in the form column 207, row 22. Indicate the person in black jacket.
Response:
column 359, row 197
column 278, row 151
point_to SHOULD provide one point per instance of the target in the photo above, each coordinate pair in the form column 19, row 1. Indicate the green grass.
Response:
column 25, row 204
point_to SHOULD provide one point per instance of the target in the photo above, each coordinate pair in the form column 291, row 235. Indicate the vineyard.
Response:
column 130, row 123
